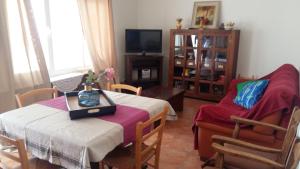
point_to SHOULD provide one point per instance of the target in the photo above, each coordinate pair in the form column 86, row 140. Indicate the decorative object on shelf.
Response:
column 146, row 73
column 229, row 25
column 205, row 14
column 191, row 55
column 191, row 62
column 187, row 72
column 178, row 23
column 89, row 97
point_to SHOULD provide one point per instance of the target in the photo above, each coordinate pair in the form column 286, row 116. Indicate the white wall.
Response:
column 124, row 16
column 270, row 29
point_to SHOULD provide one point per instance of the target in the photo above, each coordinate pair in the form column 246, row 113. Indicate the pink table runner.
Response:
column 126, row 116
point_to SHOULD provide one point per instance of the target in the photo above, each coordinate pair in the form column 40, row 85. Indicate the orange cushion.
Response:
column 245, row 133
column 274, row 118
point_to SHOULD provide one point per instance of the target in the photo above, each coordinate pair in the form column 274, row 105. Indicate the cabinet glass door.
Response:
column 179, row 51
column 179, row 61
column 179, row 40
column 207, row 42
column 220, row 59
column 220, row 62
column 206, row 65
column 192, row 41
column 191, row 51
column 221, row 41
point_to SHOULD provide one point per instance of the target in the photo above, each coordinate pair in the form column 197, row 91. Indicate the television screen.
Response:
column 143, row 40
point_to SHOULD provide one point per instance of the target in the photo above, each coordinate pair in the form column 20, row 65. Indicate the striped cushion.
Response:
column 251, row 93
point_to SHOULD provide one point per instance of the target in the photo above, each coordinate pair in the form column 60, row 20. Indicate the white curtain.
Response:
column 7, row 100
column 97, row 23
column 24, row 67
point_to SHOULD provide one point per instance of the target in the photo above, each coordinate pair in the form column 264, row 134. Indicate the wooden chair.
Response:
column 119, row 87
column 22, row 99
column 138, row 155
column 294, row 157
column 231, row 151
column 246, row 77
column 11, row 159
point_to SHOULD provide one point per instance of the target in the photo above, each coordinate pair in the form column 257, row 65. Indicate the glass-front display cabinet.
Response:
column 203, row 62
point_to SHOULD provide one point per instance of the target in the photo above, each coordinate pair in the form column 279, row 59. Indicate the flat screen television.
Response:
column 143, row 41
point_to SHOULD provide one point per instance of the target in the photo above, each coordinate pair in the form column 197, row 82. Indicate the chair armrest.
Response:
column 222, row 139
column 239, row 120
column 228, row 151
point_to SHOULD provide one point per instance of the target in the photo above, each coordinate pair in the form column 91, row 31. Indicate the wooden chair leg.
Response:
column 156, row 161
column 210, row 162
column 220, row 161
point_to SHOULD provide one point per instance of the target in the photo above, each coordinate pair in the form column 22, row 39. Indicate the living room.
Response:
column 82, row 52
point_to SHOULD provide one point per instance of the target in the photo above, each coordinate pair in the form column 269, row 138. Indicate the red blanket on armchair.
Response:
column 282, row 94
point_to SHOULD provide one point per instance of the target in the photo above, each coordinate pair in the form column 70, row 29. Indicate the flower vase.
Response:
column 88, row 97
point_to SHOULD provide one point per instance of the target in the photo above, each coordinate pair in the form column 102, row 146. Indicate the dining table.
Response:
column 49, row 133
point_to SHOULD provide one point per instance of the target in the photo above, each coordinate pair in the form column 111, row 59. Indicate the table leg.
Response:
column 177, row 102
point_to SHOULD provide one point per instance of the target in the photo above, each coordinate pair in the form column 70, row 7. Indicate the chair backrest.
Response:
column 119, row 87
column 22, row 99
column 290, row 135
column 246, row 78
column 142, row 155
column 293, row 160
column 19, row 157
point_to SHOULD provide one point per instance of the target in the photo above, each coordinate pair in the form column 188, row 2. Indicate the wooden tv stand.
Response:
column 143, row 70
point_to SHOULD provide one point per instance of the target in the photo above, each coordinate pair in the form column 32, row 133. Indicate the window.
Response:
column 61, row 35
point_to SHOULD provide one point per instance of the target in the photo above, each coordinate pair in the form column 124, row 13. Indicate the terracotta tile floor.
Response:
column 177, row 150
column 177, row 146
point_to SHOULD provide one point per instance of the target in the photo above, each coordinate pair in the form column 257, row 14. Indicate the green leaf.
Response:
column 91, row 78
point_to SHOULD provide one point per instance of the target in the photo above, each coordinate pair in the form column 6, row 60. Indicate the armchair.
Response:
column 275, row 108
column 242, row 154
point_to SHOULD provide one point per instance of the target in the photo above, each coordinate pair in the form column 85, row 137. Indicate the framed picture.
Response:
column 206, row 14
